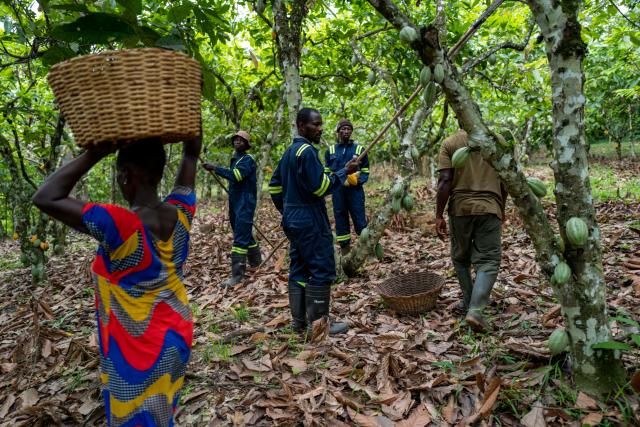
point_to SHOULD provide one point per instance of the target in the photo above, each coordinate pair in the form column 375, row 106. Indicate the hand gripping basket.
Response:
column 412, row 293
column 128, row 95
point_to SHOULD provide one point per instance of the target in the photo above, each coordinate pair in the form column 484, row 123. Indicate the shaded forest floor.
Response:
column 248, row 369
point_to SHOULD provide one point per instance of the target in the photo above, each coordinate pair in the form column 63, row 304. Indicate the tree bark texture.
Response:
column 265, row 152
column 583, row 298
column 288, row 29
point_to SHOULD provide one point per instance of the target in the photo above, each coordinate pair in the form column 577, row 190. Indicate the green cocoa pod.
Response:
column 396, row 205
column 558, row 341
column 460, row 157
column 36, row 243
column 371, row 77
column 438, row 73
column 364, row 234
column 577, row 231
column 562, row 273
column 379, row 251
column 415, row 154
column 396, row 191
column 538, row 187
column 429, row 93
column 407, row 203
column 425, row 76
column 37, row 271
column 491, row 59
column 408, row 34
column 269, row 136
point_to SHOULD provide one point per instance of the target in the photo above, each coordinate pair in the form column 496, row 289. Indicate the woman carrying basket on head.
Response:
column 145, row 325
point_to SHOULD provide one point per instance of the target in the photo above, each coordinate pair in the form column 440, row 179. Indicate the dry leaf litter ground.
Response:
column 389, row 370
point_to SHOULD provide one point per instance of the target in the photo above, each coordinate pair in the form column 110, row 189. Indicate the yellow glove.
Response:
column 353, row 178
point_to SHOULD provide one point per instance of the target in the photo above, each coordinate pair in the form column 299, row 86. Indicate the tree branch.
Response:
column 635, row 24
column 469, row 64
column 231, row 112
column 380, row 71
column 263, row 16
column 494, row 85
column 327, row 76
column 373, row 32
column 20, row 158
column 251, row 93
column 474, row 27
column 440, row 21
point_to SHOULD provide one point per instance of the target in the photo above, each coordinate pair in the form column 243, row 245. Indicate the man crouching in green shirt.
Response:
column 476, row 199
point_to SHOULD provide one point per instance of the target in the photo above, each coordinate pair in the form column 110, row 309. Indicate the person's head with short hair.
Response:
column 140, row 165
column 309, row 123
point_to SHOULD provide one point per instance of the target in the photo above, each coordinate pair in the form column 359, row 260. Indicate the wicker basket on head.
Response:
column 412, row 293
column 129, row 95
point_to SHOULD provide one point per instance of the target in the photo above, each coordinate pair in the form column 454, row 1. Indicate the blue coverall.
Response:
column 297, row 188
column 242, row 200
column 347, row 200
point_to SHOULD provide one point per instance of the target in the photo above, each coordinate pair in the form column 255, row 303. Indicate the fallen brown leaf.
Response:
column 585, row 401
column 419, row 417
column 535, row 417
column 592, row 419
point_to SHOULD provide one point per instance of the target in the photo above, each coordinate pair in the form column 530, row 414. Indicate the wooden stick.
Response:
column 227, row 191
column 393, row 119
column 275, row 248
column 474, row 27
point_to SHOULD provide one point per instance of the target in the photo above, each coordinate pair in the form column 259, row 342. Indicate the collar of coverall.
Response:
column 304, row 140
column 349, row 142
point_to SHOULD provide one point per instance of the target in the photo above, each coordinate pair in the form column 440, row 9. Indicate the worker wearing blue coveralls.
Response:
column 348, row 199
column 298, row 187
column 242, row 205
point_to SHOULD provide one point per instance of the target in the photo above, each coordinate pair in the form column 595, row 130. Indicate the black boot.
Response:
column 466, row 286
column 254, row 256
column 344, row 250
column 238, row 266
column 317, row 299
column 479, row 300
column 297, row 307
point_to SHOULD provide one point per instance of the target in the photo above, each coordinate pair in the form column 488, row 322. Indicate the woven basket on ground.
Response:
column 412, row 293
column 129, row 95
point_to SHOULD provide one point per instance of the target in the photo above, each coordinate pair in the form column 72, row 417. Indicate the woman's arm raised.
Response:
column 53, row 197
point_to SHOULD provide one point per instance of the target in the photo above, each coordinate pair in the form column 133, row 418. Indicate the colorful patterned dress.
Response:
column 145, row 325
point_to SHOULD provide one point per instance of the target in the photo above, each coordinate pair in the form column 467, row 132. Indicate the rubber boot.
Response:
column 466, row 286
column 317, row 299
column 238, row 267
column 344, row 250
column 297, row 307
column 254, row 256
column 479, row 300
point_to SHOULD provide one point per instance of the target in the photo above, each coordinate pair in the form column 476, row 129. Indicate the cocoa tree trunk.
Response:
column 363, row 248
column 19, row 197
column 583, row 298
column 265, row 152
column 288, row 29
